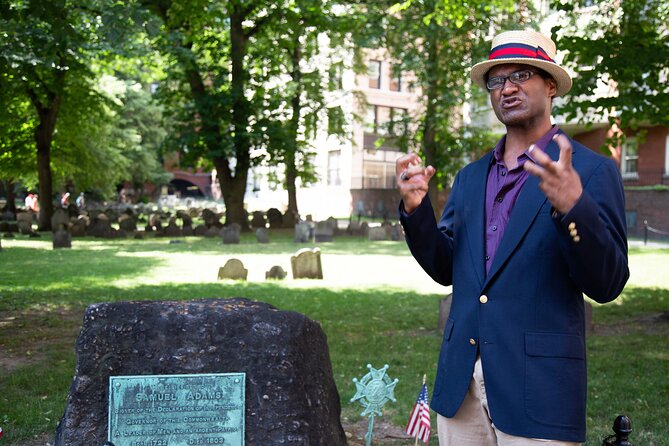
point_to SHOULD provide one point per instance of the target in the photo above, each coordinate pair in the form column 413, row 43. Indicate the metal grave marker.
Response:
column 373, row 391
column 177, row 410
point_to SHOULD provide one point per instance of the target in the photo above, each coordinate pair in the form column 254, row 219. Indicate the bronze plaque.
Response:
column 177, row 410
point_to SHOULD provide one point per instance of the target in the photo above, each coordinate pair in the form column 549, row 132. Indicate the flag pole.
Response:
column 418, row 430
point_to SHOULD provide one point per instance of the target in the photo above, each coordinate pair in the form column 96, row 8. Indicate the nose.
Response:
column 508, row 85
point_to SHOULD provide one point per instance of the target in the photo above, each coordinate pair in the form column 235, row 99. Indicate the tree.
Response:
column 311, row 39
column 17, row 159
column 622, row 44
column 213, row 63
column 437, row 41
column 46, row 55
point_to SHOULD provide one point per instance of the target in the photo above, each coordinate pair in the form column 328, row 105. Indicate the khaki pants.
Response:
column 472, row 426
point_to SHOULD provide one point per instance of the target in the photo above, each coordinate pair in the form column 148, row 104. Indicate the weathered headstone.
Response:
column 303, row 232
column 24, row 221
column 275, row 218
column 231, row 235
column 397, row 232
column 100, row 227
column 60, row 219
column 200, row 230
column 323, row 232
column 444, row 311
column 233, row 269
column 306, row 264
column 291, row 398
column 78, row 226
column 262, row 236
column 172, row 229
column 62, row 239
column 258, row 220
column 276, row 272
column 589, row 326
column 378, row 233
column 127, row 223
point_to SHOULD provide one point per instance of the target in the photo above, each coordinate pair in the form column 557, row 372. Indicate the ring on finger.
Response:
column 404, row 176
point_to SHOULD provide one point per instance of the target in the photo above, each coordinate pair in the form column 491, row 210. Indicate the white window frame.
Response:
column 624, row 168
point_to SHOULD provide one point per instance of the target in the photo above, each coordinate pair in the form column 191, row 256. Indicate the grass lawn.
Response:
column 374, row 304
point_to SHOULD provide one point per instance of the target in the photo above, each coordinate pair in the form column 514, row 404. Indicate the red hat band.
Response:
column 518, row 50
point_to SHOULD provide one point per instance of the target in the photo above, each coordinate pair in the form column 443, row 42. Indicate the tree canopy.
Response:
column 619, row 51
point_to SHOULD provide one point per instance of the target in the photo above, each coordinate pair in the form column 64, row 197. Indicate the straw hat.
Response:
column 527, row 48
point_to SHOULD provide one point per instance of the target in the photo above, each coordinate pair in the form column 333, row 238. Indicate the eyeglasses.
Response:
column 517, row 77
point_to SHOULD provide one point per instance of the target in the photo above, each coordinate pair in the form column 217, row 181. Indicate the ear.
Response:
column 551, row 85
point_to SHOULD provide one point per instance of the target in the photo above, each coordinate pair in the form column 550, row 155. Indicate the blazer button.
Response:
column 483, row 299
column 571, row 226
column 576, row 239
column 472, row 341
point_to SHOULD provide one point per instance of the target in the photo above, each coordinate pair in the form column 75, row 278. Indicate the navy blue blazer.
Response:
column 530, row 326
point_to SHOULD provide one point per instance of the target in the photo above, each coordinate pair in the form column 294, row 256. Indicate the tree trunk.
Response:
column 43, row 138
column 233, row 186
column 291, row 152
column 11, row 197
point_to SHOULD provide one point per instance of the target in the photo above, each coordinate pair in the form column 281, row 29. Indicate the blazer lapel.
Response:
column 474, row 205
column 524, row 212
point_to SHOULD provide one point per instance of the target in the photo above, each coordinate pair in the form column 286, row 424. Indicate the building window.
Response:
column 396, row 81
column 378, row 175
column 374, row 73
column 334, row 168
column 371, row 119
column 629, row 158
column 398, row 121
column 630, row 219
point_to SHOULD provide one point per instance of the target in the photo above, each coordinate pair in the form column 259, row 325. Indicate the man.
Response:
column 527, row 230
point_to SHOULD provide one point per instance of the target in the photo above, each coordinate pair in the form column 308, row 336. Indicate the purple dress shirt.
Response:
column 502, row 190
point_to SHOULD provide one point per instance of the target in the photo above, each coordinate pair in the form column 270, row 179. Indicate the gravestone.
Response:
column 78, row 226
column 444, row 311
column 62, row 239
column 275, row 218
column 200, row 230
column 127, row 223
column 262, row 236
column 258, row 220
column 303, row 232
column 233, row 269
column 172, row 229
column 323, row 232
column 397, row 232
column 60, row 219
column 209, row 217
column 231, row 235
column 291, row 398
column 276, row 272
column 378, row 233
column 100, row 227
column 306, row 264
column 24, row 221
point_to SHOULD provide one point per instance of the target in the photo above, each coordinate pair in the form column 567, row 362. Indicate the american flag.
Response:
column 419, row 421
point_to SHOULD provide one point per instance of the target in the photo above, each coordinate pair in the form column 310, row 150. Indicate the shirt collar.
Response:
column 542, row 143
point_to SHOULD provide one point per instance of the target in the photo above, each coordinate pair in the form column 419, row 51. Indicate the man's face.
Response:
column 521, row 104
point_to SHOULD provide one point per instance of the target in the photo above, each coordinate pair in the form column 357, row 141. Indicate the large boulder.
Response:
column 291, row 398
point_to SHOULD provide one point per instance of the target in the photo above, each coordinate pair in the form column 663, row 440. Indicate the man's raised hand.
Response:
column 412, row 180
column 558, row 179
